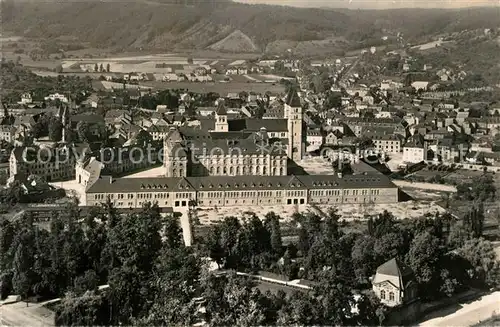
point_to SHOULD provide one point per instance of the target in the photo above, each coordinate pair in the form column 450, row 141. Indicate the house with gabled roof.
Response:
column 394, row 283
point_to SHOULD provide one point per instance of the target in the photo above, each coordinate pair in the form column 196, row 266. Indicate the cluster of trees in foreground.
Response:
column 155, row 280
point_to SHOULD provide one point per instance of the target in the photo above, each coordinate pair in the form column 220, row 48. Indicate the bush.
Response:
column 5, row 284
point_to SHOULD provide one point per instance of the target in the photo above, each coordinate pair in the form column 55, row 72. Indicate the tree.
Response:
column 174, row 283
column 83, row 130
column 485, row 268
column 335, row 299
column 101, row 68
column 86, row 282
column 172, row 233
column 364, row 259
column 91, row 309
column 480, row 189
column 301, row 309
column 272, row 225
column 22, row 278
column 474, row 220
column 55, row 129
column 59, row 69
column 108, row 67
column 96, row 68
column 134, row 244
column 334, row 100
column 190, row 60
column 232, row 301
column 13, row 194
column 222, row 240
column 423, row 258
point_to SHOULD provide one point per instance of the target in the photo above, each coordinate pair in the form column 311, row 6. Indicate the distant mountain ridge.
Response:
column 200, row 24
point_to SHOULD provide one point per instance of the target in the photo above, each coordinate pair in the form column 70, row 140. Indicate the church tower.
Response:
column 221, row 124
column 293, row 112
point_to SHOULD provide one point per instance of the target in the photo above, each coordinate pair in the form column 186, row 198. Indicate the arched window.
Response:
column 391, row 296
column 264, row 171
column 382, row 294
column 181, row 172
column 211, row 170
column 230, row 170
column 174, row 172
column 237, row 170
column 281, row 172
column 218, row 170
column 244, row 170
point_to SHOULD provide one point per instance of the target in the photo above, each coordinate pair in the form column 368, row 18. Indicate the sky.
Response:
column 379, row 4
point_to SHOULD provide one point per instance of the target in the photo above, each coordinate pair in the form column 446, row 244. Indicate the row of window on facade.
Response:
column 244, row 161
column 382, row 295
column 233, row 170
column 268, row 201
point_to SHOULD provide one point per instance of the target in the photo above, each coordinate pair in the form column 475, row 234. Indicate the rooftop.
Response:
column 106, row 184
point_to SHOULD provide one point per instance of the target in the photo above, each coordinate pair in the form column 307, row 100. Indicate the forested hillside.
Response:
column 167, row 24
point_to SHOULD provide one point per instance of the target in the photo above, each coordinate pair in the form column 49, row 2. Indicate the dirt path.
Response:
column 17, row 314
column 470, row 313
column 426, row 186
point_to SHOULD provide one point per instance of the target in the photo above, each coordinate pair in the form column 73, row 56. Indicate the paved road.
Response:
column 469, row 314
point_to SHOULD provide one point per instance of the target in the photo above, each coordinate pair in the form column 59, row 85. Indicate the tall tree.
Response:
column 232, row 301
column 174, row 283
column 272, row 225
column 23, row 278
column 423, row 257
column 55, row 129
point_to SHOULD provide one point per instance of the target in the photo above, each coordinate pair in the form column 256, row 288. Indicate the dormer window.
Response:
column 142, row 186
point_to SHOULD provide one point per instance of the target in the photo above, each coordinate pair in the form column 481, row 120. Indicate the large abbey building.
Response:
column 225, row 191
column 240, row 162
column 239, row 147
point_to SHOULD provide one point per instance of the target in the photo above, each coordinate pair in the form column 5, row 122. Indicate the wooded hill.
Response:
column 195, row 24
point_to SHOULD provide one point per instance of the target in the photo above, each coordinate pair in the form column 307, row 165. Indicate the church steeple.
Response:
column 294, row 115
column 221, row 124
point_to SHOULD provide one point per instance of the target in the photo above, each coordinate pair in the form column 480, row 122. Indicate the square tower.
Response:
column 293, row 112
column 221, row 124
